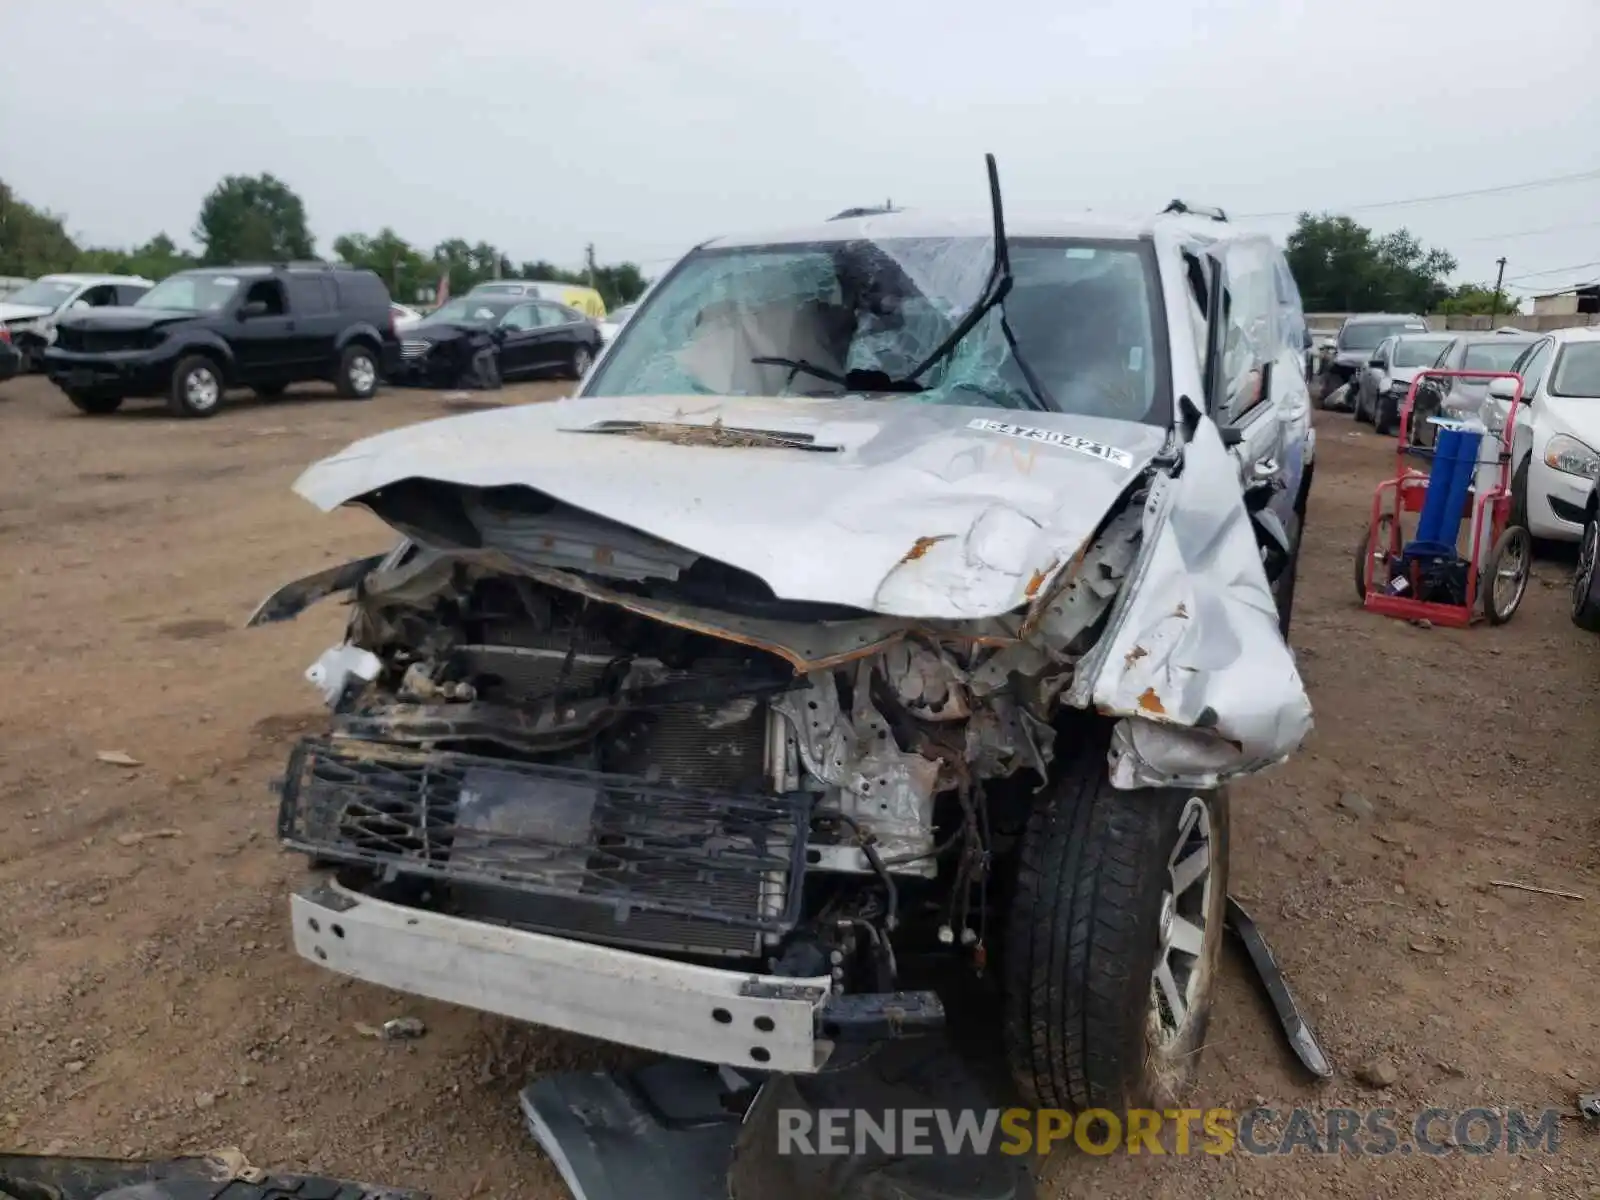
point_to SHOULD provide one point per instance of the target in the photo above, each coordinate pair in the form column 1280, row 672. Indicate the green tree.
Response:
column 617, row 283
column 32, row 240
column 252, row 218
column 1341, row 267
column 1477, row 299
column 397, row 262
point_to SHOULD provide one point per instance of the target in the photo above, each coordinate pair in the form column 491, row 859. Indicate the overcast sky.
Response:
column 646, row 125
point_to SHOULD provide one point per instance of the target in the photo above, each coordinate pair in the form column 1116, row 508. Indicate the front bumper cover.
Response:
column 131, row 372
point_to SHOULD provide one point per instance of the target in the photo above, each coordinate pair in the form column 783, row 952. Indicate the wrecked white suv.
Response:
column 894, row 592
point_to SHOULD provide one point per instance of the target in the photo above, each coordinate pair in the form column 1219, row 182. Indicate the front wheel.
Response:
column 358, row 373
column 96, row 404
column 196, row 387
column 1113, row 938
column 1585, row 593
column 582, row 360
column 1385, row 415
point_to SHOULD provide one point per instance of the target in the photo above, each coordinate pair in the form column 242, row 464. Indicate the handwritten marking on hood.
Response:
column 1051, row 437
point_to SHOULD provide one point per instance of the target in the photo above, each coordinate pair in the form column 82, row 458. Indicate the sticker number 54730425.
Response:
column 1051, row 437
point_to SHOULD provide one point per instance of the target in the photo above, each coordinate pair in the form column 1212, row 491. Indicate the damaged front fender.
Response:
column 1192, row 661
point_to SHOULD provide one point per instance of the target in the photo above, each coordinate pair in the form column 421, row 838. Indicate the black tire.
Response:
column 1384, row 416
column 582, row 360
column 96, row 404
column 1284, row 592
column 358, row 372
column 1519, row 496
column 1586, row 579
column 270, row 391
column 197, row 387
column 1357, row 413
column 1084, row 938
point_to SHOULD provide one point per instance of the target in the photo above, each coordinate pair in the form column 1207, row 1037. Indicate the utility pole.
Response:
column 588, row 261
column 1494, row 307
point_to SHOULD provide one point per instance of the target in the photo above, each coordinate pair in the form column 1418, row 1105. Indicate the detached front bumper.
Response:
column 736, row 1018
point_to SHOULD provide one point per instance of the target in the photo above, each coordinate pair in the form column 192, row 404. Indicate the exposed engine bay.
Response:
column 548, row 720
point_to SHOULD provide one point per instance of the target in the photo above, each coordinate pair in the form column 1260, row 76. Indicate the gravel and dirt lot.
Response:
column 150, row 1003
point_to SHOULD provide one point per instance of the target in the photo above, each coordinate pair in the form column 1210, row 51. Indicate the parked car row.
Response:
column 105, row 339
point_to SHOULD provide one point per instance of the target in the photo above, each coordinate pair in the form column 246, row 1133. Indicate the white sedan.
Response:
column 1556, row 455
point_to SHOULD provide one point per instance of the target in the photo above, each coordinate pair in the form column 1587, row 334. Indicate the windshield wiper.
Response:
column 995, row 289
column 854, row 380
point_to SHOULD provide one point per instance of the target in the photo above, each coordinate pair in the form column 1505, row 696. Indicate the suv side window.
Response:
column 1250, row 316
column 1531, row 366
column 1384, row 350
column 554, row 314
column 268, row 292
column 101, row 295
column 361, row 289
column 310, row 295
column 127, row 293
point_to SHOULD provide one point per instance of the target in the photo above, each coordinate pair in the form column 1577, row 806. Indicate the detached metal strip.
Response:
column 1295, row 1027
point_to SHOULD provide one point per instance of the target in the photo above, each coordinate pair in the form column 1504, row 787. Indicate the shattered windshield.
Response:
column 1082, row 315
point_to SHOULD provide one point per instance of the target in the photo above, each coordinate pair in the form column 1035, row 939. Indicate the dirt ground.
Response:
column 150, row 1002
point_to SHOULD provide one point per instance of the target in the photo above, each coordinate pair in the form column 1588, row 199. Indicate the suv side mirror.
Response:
column 1503, row 389
column 252, row 308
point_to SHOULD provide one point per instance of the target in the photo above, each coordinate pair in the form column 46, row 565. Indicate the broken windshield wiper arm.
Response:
column 799, row 366
column 995, row 288
column 854, row 380
column 1043, row 401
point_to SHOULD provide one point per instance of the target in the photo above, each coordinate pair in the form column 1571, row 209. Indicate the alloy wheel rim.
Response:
column 201, row 389
column 1181, row 937
column 580, row 362
column 362, row 373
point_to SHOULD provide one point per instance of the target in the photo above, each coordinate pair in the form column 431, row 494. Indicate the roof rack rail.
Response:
column 1195, row 210
column 302, row 264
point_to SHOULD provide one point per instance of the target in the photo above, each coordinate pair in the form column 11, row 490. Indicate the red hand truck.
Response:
column 1423, row 576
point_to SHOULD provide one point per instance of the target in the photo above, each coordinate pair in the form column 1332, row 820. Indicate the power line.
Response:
column 1553, row 271
column 1500, row 237
column 1575, row 177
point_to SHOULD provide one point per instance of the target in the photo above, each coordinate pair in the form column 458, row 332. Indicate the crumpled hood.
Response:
column 129, row 317
column 22, row 312
column 898, row 507
column 442, row 331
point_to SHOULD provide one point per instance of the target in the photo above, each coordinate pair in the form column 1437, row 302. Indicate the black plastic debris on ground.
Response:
column 685, row 1131
column 55, row 1177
